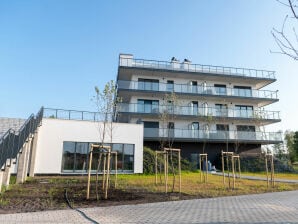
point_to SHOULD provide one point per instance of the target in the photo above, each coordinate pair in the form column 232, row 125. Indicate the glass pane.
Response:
column 119, row 149
column 81, row 156
column 128, row 157
column 68, row 156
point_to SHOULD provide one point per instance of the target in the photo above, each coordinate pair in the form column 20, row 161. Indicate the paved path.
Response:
column 279, row 207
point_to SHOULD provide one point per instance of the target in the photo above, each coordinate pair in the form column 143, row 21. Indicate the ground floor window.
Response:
column 76, row 157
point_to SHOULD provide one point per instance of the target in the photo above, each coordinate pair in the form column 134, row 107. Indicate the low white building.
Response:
column 63, row 146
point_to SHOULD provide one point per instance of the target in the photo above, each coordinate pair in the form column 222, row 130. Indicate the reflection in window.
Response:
column 76, row 157
column 68, row 156
column 243, row 91
column 128, row 157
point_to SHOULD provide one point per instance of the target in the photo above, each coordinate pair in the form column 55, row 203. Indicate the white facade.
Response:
column 54, row 132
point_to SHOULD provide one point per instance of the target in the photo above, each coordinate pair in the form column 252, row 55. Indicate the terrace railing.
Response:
column 198, row 111
column 13, row 140
column 199, row 89
column 188, row 67
column 157, row 133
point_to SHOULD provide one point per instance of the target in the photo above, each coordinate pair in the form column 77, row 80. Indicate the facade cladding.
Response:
column 217, row 108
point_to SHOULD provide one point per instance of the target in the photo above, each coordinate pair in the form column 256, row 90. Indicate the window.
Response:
column 220, row 89
column 246, row 132
column 221, row 110
column 151, row 129
column 148, row 106
column 68, row 157
column 194, row 106
column 75, row 157
column 242, row 91
column 247, row 128
column 195, row 126
column 170, row 85
column 148, row 84
column 244, row 111
column 128, row 156
column 171, row 128
column 194, row 86
column 222, row 127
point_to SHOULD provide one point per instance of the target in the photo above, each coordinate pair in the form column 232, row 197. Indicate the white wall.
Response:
column 53, row 132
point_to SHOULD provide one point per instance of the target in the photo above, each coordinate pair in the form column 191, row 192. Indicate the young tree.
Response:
column 168, row 113
column 106, row 102
column 288, row 43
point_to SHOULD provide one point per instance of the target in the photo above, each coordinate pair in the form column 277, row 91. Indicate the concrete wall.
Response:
column 54, row 132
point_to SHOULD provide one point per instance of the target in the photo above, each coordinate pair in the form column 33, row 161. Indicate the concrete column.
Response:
column 6, row 177
column 27, row 157
column 1, row 179
column 22, row 163
column 33, row 154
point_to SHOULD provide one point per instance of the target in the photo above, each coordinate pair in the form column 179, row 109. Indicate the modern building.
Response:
column 58, row 142
column 212, row 108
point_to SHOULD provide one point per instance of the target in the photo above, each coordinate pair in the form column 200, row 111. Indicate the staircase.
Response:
column 15, row 141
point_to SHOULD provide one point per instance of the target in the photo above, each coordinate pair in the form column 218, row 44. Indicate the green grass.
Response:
column 288, row 176
column 192, row 185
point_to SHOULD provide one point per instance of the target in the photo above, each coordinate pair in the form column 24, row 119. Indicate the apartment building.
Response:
column 215, row 108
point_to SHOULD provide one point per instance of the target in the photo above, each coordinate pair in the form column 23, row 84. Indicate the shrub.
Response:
column 149, row 162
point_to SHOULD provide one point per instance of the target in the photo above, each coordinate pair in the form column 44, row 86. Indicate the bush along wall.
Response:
column 149, row 162
column 257, row 164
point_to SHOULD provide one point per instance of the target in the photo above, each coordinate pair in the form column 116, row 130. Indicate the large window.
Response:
column 220, row 89
column 148, row 106
column 221, row 110
column 148, row 84
column 242, row 91
column 243, row 111
column 170, row 85
column 76, row 157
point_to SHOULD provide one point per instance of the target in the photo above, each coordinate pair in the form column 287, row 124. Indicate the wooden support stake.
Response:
column 89, row 175
column 108, row 174
column 155, row 167
column 179, row 167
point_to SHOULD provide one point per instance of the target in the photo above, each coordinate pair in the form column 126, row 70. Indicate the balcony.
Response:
column 197, row 68
column 214, row 136
column 197, row 90
column 199, row 111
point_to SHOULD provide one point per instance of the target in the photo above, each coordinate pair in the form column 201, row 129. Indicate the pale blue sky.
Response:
column 53, row 53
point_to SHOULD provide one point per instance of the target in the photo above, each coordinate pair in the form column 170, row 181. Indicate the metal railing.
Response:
column 199, row 89
column 13, row 140
column 212, row 135
column 197, row 111
column 188, row 67
column 71, row 114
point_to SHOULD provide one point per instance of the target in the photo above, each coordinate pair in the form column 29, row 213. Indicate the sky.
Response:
column 53, row 52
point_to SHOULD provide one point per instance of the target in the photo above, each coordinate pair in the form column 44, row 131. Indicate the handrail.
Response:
column 12, row 141
column 198, row 111
column 199, row 89
column 212, row 134
column 187, row 66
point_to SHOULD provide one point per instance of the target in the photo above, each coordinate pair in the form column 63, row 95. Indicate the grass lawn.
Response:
column 287, row 176
column 42, row 193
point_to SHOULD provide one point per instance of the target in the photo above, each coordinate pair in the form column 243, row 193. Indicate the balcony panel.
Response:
column 186, row 66
column 221, row 136
column 199, row 90
column 253, row 115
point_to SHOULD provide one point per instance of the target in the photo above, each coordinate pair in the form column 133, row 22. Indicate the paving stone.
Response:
column 281, row 207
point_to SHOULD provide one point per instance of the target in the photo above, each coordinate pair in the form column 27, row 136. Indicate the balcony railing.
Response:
column 212, row 135
column 186, row 66
column 200, row 89
column 198, row 111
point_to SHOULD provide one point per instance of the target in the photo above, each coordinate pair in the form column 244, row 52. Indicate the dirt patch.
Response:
column 41, row 194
